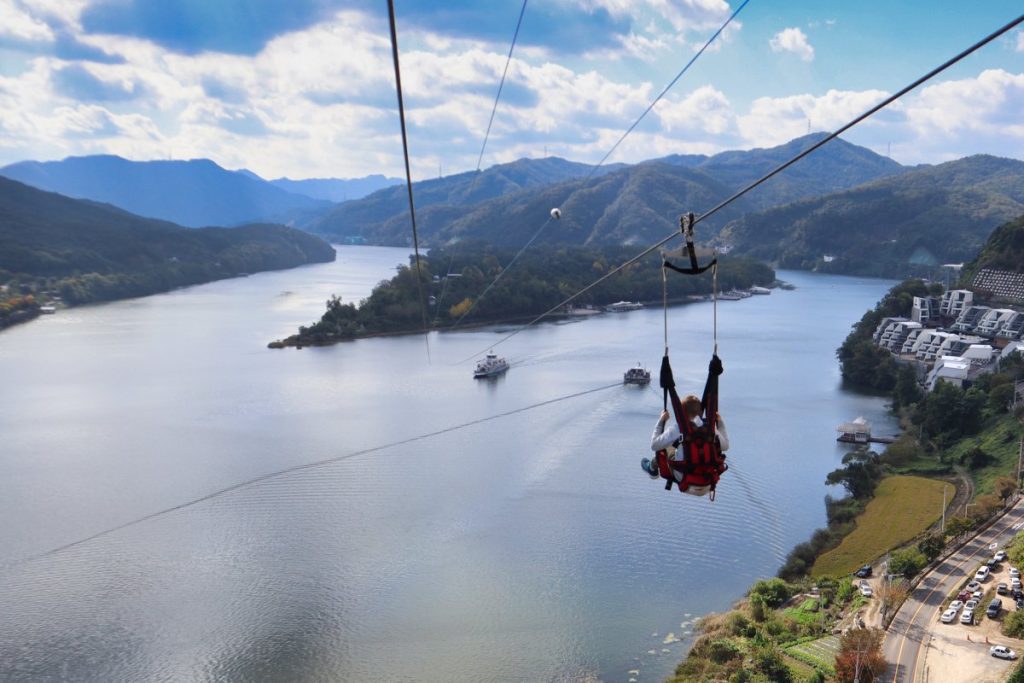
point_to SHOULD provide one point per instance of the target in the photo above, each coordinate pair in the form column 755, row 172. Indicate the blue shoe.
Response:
column 649, row 467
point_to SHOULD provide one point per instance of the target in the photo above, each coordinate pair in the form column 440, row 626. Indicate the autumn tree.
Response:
column 860, row 656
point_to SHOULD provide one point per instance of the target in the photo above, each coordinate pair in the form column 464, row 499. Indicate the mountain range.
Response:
column 192, row 193
column 91, row 252
column 893, row 226
column 619, row 204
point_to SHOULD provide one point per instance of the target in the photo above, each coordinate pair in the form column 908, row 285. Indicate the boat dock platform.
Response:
column 859, row 431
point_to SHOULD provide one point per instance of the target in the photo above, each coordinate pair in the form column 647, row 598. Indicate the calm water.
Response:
column 529, row 547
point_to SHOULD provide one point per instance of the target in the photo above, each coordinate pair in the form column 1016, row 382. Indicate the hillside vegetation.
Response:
column 92, row 252
column 621, row 204
column 540, row 280
column 895, row 226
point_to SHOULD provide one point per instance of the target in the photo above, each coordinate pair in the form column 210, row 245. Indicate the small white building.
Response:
column 948, row 369
column 993, row 321
column 896, row 334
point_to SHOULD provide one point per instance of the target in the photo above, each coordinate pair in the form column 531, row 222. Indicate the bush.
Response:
column 1013, row 624
column 907, row 562
column 773, row 591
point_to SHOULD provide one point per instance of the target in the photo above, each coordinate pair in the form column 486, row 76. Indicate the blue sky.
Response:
column 305, row 88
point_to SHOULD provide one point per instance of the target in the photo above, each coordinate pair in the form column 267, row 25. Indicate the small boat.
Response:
column 623, row 306
column 637, row 375
column 491, row 366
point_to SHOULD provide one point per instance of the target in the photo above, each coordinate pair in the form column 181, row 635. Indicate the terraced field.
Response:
column 820, row 653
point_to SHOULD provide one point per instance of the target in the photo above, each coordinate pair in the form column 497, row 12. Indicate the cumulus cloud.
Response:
column 792, row 40
column 18, row 24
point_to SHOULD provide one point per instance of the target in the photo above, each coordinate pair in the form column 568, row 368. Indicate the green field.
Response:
column 902, row 508
column 820, row 653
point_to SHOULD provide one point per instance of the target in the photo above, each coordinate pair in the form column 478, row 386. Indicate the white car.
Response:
column 1014, row 572
column 866, row 591
column 967, row 617
column 1000, row 556
column 981, row 574
column 1015, row 583
column 956, row 605
column 949, row 616
column 1002, row 652
column 973, row 586
column 971, row 604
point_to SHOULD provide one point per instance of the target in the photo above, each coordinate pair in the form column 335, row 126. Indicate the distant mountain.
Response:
column 93, row 252
column 622, row 204
column 336, row 189
column 894, row 226
column 193, row 193
column 367, row 217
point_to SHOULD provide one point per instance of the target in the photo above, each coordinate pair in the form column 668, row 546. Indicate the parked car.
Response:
column 866, row 591
column 956, row 605
column 1000, row 556
column 949, row 616
column 862, row 583
column 1020, row 603
column 978, row 594
column 971, row 604
column 973, row 586
column 991, row 563
column 1014, row 572
column 1002, row 588
column 1002, row 652
column 981, row 574
column 864, row 572
column 1016, row 593
column 967, row 617
column 994, row 608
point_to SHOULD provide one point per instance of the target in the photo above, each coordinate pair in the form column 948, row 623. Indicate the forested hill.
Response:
column 369, row 217
column 93, row 252
column 893, row 227
column 193, row 193
column 621, row 205
column 1004, row 250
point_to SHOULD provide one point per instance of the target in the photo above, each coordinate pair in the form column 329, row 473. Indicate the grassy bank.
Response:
column 902, row 508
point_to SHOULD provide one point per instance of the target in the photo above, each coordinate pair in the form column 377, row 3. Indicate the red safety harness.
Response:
column 702, row 462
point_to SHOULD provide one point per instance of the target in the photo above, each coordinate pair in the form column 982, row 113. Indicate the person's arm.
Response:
column 723, row 436
column 663, row 438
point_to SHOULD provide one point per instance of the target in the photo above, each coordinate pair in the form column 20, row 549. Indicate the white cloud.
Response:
column 774, row 120
column 792, row 40
column 19, row 24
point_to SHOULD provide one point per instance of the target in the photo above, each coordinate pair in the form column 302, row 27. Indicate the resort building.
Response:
column 954, row 302
column 896, row 334
column 925, row 310
column 969, row 319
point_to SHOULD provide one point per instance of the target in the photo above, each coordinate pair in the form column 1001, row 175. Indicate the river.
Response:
column 527, row 547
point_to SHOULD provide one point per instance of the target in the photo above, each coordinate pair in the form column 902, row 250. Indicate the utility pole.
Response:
column 943, row 530
column 1020, row 457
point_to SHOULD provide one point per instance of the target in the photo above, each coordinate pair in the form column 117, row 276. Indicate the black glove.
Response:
column 666, row 381
column 715, row 366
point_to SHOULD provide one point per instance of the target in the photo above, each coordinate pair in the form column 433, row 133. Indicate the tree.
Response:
column 906, row 563
column 774, row 591
column 891, row 594
column 860, row 475
column 958, row 526
column 1004, row 488
column 860, row 656
column 932, row 546
column 768, row 660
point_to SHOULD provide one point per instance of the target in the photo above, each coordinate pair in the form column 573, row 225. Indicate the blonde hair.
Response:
column 691, row 406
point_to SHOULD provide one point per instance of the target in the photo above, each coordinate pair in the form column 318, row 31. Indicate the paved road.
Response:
column 910, row 629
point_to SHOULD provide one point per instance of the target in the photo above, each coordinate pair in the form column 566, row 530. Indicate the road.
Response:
column 911, row 627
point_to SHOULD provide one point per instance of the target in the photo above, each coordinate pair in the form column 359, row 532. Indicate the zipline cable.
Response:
column 305, row 466
column 771, row 174
column 600, row 163
column 480, row 158
column 408, row 175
